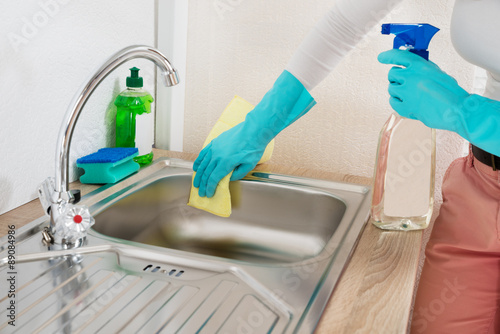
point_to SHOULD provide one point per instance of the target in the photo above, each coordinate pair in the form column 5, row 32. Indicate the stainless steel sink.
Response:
column 267, row 224
column 153, row 264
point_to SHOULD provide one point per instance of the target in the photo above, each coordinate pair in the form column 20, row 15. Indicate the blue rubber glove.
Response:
column 419, row 89
column 240, row 148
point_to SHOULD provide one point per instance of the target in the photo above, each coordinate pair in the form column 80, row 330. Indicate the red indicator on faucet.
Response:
column 77, row 219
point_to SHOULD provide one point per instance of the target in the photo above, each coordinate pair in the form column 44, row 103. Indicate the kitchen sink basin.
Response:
column 152, row 264
column 270, row 223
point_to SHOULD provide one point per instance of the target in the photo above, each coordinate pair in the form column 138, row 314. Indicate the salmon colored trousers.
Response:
column 459, row 290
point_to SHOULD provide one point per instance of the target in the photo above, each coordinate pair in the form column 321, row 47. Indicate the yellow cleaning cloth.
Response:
column 220, row 203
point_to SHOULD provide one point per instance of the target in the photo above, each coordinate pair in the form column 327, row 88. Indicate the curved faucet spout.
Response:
column 61, row 194
column 76, row 106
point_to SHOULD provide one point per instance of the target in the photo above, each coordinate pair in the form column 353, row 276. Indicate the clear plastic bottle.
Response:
column 403, row 188
column 134, row 120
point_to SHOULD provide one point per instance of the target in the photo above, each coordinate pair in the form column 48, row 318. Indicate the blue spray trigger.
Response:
column 416, row 37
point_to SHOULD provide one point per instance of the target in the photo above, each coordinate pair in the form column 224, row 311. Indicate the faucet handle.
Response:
column 46, row 193
column 72, row 225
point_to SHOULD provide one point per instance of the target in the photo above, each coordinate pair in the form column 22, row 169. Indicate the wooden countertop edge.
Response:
column 374, row 293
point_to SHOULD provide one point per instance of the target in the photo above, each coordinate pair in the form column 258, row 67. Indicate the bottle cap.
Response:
column 415, row 37
column 134, row 80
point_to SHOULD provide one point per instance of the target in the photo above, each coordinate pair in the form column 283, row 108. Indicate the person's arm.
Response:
column 239, row 149
column 334, row 36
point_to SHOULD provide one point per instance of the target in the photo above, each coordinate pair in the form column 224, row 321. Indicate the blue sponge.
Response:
column 108, row 165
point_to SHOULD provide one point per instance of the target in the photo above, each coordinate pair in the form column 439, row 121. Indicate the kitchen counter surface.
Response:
column 374, row 293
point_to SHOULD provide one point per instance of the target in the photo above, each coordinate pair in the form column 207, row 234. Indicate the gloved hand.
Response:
column 240, row 148
column 234, row 149
column 419, row 89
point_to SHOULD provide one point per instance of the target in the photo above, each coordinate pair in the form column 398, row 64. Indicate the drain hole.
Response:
column 172, row 272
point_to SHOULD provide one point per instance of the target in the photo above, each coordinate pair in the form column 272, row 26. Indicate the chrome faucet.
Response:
column 54, row 194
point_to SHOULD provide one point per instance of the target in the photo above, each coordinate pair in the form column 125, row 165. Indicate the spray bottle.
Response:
column 403, row 190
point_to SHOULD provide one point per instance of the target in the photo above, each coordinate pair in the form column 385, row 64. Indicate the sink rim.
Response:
column 153, row 174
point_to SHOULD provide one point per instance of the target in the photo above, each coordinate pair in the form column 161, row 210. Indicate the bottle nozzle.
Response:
column 134, row 80
column 415, row 37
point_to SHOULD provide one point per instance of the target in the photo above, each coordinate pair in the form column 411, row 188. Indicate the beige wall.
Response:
column 49, row 48
column 243, row 50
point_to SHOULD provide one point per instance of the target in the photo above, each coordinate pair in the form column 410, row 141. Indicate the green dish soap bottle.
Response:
column 134, row 120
